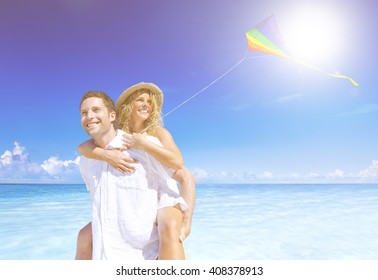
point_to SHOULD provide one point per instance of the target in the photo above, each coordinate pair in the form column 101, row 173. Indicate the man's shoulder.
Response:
column 84, row 161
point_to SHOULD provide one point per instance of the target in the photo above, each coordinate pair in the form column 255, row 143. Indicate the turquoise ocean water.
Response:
column 265, row 222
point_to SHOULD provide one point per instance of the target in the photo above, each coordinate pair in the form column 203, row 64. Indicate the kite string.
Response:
column 199, row 92
column 205, row 88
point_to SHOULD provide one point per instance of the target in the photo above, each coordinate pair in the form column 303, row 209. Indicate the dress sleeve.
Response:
column 168, row 192
column 166, row 200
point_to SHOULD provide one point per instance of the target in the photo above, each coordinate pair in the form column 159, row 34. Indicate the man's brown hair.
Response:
column 108, row 102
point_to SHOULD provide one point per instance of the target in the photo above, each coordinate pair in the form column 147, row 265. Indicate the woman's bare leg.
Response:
column 84, row 243
column 169, row 226
column 187, row 184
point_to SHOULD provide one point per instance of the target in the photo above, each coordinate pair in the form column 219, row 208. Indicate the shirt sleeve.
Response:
column 84, row 166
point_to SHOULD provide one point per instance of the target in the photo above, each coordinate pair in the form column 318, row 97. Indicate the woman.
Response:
column 139, row 115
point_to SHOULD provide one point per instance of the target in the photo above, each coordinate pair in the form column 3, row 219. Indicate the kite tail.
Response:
column 319, row 70
column 345, row 77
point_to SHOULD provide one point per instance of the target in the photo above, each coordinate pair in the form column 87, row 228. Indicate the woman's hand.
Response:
column 185, row 227
column 136, row 141
column 119, row 161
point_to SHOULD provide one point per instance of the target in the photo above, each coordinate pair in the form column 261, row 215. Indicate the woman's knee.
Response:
column 169, row 224
column 84, row 238
column 84, row 243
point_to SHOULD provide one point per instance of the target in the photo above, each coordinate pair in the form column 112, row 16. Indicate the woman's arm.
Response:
column 168, row 154
column 114, row 157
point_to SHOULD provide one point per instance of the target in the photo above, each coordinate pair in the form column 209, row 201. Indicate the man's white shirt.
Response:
column 124, row 206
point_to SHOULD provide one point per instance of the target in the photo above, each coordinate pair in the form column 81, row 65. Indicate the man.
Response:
column 124, row 207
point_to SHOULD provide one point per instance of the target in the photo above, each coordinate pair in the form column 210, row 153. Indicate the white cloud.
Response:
column 295, row 175
column 364, row 109
column 6, row 158
column 266, row 175
column 200, row 174
column 249, row 176
column 288, row 98
column 336, row 174
column 369, row 174
column 56, row 167
column 241, row 107
column 15, row 166
column 18, row 150
column 224, row 176
column 313, row 175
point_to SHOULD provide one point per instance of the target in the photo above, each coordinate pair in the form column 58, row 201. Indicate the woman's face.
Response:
column 141, row 107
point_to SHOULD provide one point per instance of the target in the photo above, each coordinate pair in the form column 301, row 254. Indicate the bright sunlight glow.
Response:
column 312, row 34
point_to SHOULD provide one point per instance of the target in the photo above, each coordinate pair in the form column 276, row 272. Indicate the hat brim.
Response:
column 154, row 89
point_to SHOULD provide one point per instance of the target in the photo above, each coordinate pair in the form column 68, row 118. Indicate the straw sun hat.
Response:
column 152, row 88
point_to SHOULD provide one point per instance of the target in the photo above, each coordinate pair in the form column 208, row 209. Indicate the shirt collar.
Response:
column 117, row 142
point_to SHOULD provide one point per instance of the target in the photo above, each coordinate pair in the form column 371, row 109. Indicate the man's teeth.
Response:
column 91, row 124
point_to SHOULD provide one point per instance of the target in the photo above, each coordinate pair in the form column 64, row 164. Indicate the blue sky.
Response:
column 267, row 120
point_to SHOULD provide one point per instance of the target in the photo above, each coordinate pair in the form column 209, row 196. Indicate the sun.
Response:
column 313, row 34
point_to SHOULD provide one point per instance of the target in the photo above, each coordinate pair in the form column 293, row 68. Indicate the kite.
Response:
column 259, row 40
column 266, row 38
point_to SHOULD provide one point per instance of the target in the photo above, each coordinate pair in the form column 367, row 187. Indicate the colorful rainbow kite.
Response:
column 258, row 41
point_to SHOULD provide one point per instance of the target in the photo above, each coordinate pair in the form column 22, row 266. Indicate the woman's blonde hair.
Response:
column 124, row 114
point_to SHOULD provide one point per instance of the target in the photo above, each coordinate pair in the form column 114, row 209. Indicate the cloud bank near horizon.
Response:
column 16, row 167
column 368, row 175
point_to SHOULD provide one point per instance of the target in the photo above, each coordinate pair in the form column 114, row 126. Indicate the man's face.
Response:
column 95, row 117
